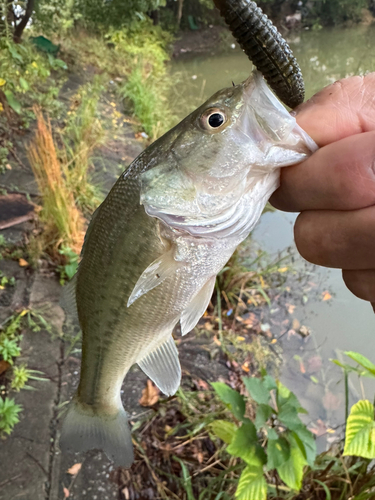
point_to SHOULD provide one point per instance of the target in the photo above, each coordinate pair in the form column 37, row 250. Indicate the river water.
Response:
column 342, row 322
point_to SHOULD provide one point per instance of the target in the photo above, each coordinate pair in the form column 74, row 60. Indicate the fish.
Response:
column 265, row 47
column 155, row 245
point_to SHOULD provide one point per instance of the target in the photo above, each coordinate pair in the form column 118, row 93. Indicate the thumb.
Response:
column 345, row 108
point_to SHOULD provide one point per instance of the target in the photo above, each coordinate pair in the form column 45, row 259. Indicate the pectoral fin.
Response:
column 154, row 274
column 195, row 310
column 163, row 367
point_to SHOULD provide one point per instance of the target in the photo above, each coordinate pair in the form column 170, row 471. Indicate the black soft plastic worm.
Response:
column 265, row 47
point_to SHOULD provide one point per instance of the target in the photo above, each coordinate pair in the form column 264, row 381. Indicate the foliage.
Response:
column 147, row 84
column 63, row 224
column 82, row 134
column 277, row 439
column 21, row 375
column 68, row 270
column 4, row 280
column 9, row 411
column 9, row 348
column 24, row 78
column 334, row 12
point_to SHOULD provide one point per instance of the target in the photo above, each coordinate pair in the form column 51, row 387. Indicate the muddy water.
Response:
column 341, row 322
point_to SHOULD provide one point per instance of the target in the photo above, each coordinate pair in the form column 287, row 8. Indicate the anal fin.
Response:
column 195, row 310
column 154, row 275
column 162, row 366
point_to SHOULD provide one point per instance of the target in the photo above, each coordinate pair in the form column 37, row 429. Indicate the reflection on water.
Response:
column 342, row 322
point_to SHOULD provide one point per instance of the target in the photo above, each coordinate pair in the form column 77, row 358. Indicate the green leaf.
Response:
column 269, row 382
column 12, row 101
column 288, row 416
column 278, row 452
column 257, row 390
column 243, row 442
column 325, row 488
column 271, row 433
column 306, row 441
column 263, row 414
column 361, row 360
column 14, row 53
column 24, row 84
column 360, row 431
column 285, row 396
column 186, row 482
column 291, row 472
column 224, row 430
column 252, row 485
column 232, row 398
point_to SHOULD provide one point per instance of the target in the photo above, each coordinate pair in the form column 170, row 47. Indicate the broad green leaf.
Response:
column 361, row 360
column 232, row 398
column 360, row 431
column 263, row 414
column 291, row 472
column 285, row 396
column 252, row 485
column 271, row 433
column 257, row 390
column 14, row 53
column 224, row 430
column 12, row 101
column 243, row 442
column 288, row 415
column 24, row 84
column 278, row 452
column 269, row 382
column 306, row 441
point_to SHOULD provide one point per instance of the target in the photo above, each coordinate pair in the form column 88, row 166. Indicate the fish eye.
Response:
column 213, row 119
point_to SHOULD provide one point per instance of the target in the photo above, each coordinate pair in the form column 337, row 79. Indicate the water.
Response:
column 342, row 322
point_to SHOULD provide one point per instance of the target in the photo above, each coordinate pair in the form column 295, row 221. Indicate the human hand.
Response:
column 334, row 189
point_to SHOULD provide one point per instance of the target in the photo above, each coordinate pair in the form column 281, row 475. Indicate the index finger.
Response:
column 345, row 108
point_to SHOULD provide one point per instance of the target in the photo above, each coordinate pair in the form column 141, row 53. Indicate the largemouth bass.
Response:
column 155, row 245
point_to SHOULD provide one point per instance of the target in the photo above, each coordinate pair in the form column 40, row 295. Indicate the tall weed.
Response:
column 63, row 223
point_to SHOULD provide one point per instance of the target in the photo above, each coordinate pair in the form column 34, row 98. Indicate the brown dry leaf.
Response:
column 66, row 493
column 4, row 365
column 326, row 295
column 74, row 469
column 23, row 262
column 251, row 320
column 290, row 308
column 245, row 367
column 150, row 395
column 302, row 367
column 201, row 384
column 296, row 324
column 217, row 341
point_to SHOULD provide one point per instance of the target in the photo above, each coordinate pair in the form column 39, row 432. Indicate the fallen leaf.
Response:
column 201, row 384
column 23, row 263
column 4, row 365
column 282, row 269
column 74, row 469
column 126, row 493
column 331, row 401
column 295, row 324
column 150, row 395
column 273, row 341
column 240, row 339
column 66, row 492
column 245, row 367
column 326, row 295
column 290, row 308
column 304, row 331
column 217, row 341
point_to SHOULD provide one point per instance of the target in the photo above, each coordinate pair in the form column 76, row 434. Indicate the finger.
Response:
column 337, row 239
column 339, row 176
column 342, row 109
column 361, row 283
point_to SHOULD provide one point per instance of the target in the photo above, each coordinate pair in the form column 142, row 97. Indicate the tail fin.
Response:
column 85, row 428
